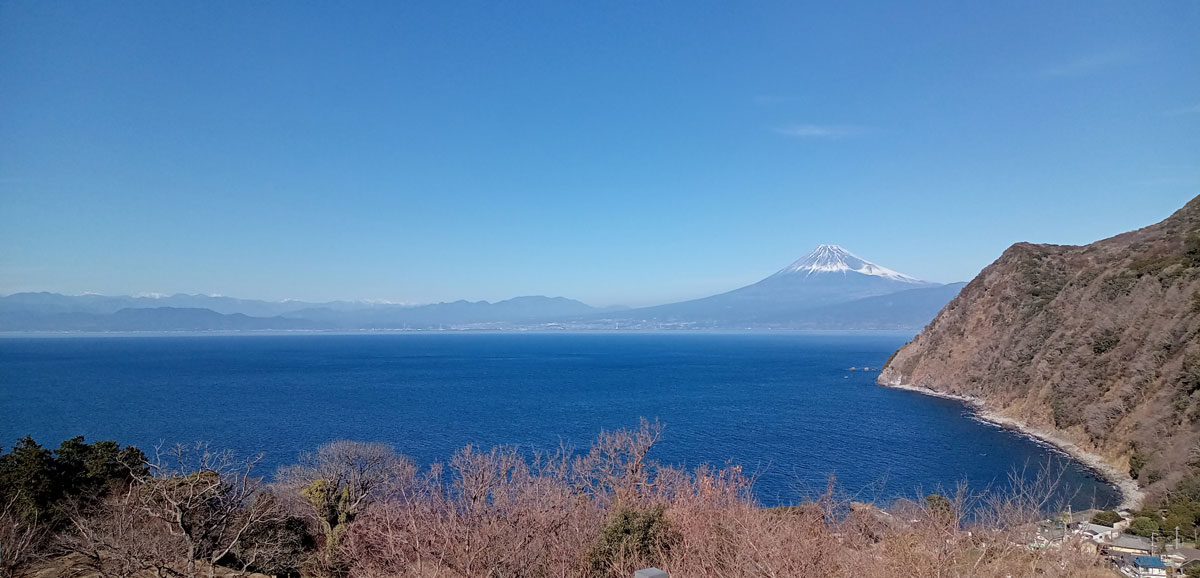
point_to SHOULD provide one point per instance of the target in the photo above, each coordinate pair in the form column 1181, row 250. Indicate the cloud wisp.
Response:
column 1089, row 64
column 774, row 99
column 823, row 131
column 1193, row 109
column 1167, row 182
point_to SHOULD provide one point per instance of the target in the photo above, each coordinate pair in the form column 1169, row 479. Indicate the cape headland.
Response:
column 1091, row 348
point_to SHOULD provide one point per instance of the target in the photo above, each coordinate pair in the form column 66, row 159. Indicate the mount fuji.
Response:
column 836, row 259
column 814, row 291
column 829, row 274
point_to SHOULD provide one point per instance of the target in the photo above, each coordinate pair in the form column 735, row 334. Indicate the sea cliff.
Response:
column 1093, row 348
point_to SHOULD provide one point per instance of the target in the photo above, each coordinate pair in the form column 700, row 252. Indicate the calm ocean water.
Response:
column 782, row 405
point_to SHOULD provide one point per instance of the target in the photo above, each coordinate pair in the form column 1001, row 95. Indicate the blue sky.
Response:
column 617, row 153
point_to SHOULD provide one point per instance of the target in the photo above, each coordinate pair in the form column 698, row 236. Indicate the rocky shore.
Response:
column 1131, row 494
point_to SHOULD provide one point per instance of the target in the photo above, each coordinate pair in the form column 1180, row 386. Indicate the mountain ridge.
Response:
column 159, row 318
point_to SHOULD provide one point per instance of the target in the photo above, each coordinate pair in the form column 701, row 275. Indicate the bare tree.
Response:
column 616, row 466
column 208, row 499
column 19, row 539
column 276, row 548
column 494, row 513
column 116, row 539
column 336, row 482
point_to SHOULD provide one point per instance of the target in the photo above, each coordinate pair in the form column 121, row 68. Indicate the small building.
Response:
column 1146, row 567
column 1174, row 563
column 1179, row 557
column 1142, row 566
column 1127, row 544
column 1183, row 554
column 1098, row 533
column 1048, row 537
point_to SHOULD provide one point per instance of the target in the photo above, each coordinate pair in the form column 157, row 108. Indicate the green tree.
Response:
column 26, row 479
column 1143, row 526
column 39, row 482
column 1179, row 516
column 93, row 469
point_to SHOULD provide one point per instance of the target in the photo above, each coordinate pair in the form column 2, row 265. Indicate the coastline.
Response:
column 1131, row 495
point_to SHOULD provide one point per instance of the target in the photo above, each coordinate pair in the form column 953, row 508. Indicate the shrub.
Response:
column 1137, row 461
column 1189, row 374
column 1191, row 255
column 1152, row 265
column 1043, row 281
column 1117, row 285
column 1104, row 341
column 641, row 535
column 1106, row 518
column 940, row 505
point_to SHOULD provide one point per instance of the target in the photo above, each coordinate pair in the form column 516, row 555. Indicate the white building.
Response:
column 1144, row 567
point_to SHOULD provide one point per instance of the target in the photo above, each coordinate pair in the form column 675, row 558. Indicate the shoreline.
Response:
column 1131, row 495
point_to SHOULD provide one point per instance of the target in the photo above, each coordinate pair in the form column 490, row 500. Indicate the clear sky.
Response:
column 617, row 153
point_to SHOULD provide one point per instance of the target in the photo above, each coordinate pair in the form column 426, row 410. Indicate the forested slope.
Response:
column 1098, row 342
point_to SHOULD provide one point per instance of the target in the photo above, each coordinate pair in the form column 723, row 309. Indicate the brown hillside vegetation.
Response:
column 601, row 513
column 1097, row 342
column 493, row 514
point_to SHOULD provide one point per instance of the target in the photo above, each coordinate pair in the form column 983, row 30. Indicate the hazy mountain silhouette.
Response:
column 830, row 288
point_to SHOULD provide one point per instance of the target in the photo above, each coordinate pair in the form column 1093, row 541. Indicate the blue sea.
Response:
column 785, row 405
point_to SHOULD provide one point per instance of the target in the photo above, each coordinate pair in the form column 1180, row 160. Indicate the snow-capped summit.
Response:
column 825, row 288
column 835, row 258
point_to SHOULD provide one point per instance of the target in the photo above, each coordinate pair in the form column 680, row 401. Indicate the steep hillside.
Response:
column 1097, row 343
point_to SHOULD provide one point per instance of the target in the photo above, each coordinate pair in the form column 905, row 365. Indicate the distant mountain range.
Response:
column 42, row 303
column 54, row 312
column 147, row 319
column 830, row 288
